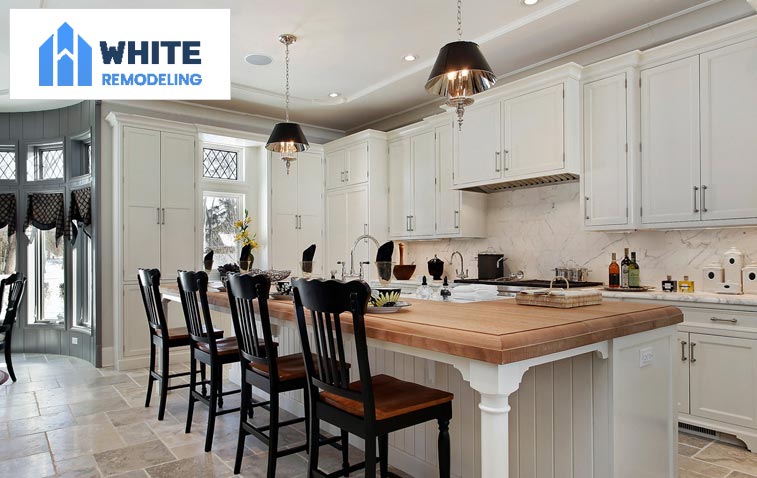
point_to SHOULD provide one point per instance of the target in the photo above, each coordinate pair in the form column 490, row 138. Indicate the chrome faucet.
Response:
column 462, row 273
column 352, row 253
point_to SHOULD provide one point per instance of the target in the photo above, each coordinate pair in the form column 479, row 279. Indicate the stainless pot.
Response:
column 573, row 274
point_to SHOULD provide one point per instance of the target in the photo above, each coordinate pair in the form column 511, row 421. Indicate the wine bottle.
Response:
column 634, row 280
column 614, row 272
column 624, row 270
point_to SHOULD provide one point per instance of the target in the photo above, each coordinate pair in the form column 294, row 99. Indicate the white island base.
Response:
column 605, row 410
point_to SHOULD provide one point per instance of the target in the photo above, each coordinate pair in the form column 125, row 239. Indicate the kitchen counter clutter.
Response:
column 606, row 370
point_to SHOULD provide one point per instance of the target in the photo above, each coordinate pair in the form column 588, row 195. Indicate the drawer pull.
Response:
column 718, row 319
column 683, row 350
column 692, row 352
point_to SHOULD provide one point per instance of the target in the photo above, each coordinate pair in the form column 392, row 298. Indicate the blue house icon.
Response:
column 62, row 55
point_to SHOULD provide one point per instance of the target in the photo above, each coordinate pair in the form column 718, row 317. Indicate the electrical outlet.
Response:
column 74, row 340
column 646, row 357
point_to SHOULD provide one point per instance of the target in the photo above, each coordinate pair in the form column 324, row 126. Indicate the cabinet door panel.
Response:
column 670, row 142
column 177, row 251
column 723, row 373
column 309, row 184
column 478, row 146
column 357, row 164
column 357, row 225
column 177, row 170
column 310, row 232
column 448, row 199
column 605, row 176
column 400, row 188
column 134, row 337
column 729, row 142
column 682, row 373
column 336, row 229
column 424, row 184
column 141, row 240
column 533, row 133
column 284, row 245
column 284, row 193
column 335, row 167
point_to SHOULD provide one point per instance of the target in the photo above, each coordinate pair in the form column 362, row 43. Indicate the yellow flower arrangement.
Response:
column 243, row 233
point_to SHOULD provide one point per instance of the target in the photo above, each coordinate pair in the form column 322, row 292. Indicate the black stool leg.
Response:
column 203, row 379
column 383, row 442
column 444, row 471
column 243, row 411
column 345, row 452
column 370, row 456
column 214, row 377
column 192, row 386
column 220, row 386
column 273, row 435
column 150, row 378
column 163, row 381
column 8, row 360
column 313, row 447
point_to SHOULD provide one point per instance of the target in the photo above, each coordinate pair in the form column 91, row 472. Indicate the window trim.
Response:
column 242, row 196
column 241, row 170
column 35, row 146
column 8, row 146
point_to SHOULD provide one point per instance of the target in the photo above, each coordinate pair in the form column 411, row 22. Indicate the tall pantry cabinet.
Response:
column 154, row 168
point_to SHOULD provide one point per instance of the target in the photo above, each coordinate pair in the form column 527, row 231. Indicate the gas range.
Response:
column 509, row 287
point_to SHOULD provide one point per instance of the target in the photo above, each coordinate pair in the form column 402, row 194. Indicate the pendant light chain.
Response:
column 459, row 19
column 286, row 59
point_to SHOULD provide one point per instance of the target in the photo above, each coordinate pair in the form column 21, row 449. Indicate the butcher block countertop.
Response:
column 497, row 332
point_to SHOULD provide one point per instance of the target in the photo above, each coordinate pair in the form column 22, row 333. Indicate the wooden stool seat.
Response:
column 181, row 333
column 291, row 367
column 393, row 397
column 225, row 346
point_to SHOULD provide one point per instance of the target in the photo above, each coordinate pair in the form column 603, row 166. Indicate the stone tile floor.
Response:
column 65, row 418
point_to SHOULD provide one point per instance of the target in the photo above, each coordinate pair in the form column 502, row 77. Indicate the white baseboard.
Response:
column 108, row 356
column 753, row 3
column 142, row 361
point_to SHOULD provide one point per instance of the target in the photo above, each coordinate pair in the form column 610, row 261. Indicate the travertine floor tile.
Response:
column 133, row 457
column 42, row 423
column 23, row 446
column 729, row 456
column 205, row 465
column 83, row 440
column 707, row 469
column 30, row 466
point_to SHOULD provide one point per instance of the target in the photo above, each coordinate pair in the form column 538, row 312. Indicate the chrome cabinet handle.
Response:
column 365, row 228
column 692, row 352
column 586, row 206
column 507, row 160
column 683, row 350
column 164, row 216
column 347, row 176
column 704, row 198
column 696, row 189
column 457, row 219
column 496, row 161
column 718, row 319
column 407, row 223
column 158, row 211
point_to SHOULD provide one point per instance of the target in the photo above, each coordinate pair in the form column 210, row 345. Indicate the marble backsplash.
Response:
column 541, row 228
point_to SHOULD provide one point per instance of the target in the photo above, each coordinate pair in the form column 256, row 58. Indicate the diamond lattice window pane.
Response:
column 52, row 163
column 220, row 164
column 7, row 165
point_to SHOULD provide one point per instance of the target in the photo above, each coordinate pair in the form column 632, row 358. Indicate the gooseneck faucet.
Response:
column 352, row 253
column 462, row 273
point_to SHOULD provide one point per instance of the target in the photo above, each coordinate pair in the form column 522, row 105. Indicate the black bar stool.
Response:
column 163, row 337
column 264, row 369
column 16, row 283
column 371, row 407
column 205, row 348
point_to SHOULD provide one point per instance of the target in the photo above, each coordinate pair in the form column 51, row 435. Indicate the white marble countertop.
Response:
column 694, row 297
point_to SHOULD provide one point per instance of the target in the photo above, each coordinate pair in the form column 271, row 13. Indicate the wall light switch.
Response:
column 646, row 356
column 74, row 340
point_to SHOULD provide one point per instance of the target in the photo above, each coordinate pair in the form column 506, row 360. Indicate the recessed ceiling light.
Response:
column 528, row 3
column 334, row 94
column 411, row 57
column 258, row 60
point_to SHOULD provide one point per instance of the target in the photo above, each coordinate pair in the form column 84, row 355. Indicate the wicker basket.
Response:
column 561, row 299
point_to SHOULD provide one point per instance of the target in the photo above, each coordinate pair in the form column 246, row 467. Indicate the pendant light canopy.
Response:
column 460, row 71
column 287, row 138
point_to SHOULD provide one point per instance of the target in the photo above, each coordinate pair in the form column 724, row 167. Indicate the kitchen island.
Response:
column 585, row 392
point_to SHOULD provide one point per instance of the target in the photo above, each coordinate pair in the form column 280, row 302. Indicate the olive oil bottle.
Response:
column 634, row 280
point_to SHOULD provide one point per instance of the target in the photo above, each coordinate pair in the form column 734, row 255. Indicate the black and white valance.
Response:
column 45, row 211
column 8, row 213
column 79, row 212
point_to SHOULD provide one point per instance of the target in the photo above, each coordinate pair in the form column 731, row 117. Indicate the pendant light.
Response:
column 287, row 138
column 460, row 71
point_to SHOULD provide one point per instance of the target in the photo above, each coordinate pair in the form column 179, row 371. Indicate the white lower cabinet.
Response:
column 682, row 373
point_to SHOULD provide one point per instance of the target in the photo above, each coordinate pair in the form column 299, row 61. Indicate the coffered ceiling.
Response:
column 356, row 48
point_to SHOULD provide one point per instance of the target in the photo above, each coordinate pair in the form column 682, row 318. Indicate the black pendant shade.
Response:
column 460, row 70
column 287, row 138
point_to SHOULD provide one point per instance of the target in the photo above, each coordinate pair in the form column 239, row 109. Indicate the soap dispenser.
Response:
column 445, row 293
column 424, row 291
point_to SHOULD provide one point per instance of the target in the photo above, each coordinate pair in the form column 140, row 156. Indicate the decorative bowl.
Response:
column 404, row 271
column 273, row 275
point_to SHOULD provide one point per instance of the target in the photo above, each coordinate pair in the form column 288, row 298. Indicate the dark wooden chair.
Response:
column 371, row 407
column 15, row 283
column 264, row 369
column 205, row 348
column 162, row 336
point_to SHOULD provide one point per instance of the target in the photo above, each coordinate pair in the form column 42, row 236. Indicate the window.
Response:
column 7, row 253
column 220, row 164
column 82, row 277
column 221, row 211
column 44, row 162
column 46, row 291
column 7, row 163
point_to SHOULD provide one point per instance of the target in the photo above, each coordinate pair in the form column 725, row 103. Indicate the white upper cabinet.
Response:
column 478, row 157
column 348, row 166
column 606, row 174
column 532, row 133
column 335, row 166
column 728, row 101
column 670, row 165
column 400, row 188
column 423, row 218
